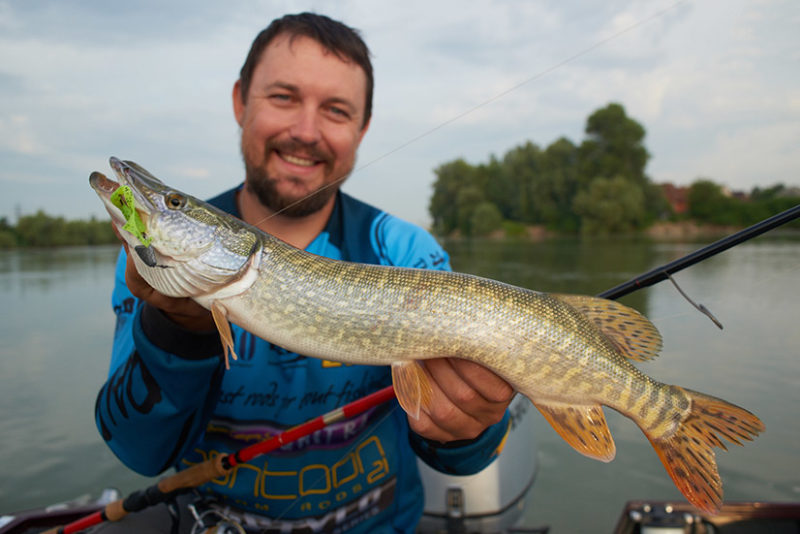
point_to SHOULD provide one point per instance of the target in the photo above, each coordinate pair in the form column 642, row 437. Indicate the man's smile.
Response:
column 297, row 160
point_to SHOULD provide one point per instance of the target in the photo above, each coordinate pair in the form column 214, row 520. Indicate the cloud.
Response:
column 149, row 81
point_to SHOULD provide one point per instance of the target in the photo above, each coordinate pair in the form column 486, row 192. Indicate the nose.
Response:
column 305, row 127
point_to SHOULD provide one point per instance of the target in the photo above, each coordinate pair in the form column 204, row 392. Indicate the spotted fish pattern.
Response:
column 569, row 354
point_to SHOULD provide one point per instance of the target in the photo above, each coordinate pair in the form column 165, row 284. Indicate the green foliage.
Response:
column 451, row 178
column 597, row 187
column 709, row 203
column 529, row 185
column 614, row 145
column 467, row 200
column 8, row 239
column 486, row 218
column 513, row 229
column 42, row 230
column 610, row 206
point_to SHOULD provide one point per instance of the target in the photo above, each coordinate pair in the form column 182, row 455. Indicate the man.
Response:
column 303, row 102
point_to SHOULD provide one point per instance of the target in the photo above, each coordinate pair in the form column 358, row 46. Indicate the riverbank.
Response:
column 663, row 231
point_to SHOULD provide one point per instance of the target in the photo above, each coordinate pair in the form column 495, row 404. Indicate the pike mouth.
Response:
column 102, row 183
column 105, row 187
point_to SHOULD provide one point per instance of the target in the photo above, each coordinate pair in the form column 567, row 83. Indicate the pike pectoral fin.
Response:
column 220, row 315
column 412, row 387
column 630, row 331
column 583, row 427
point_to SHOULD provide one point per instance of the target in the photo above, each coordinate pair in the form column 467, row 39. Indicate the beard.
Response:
column 265, row 187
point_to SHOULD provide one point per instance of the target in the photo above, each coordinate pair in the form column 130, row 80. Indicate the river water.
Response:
column 55, row 337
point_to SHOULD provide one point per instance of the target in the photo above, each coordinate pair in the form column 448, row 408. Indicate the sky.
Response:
column 715, row 83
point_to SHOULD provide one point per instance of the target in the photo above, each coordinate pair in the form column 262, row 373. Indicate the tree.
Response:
column 450, row 179
column 558, row 185
column 529, row 185
column 486, row 218
column 614, row 146
column 468, row 199
column 42, row 230
column 520, row 169
column 708, row 203
column 610, row 205
column 8, row 237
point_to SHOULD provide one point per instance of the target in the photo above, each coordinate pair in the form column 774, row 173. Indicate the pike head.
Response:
column 182, row 246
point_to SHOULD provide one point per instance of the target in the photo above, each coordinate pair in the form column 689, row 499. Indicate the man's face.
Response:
column 301, row 124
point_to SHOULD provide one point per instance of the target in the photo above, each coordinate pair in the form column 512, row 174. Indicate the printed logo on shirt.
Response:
column 434, row 261
column 334, row 435
column 336, row 521
column 337, row 489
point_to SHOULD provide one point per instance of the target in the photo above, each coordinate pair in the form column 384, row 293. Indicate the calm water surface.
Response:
column 55, row 338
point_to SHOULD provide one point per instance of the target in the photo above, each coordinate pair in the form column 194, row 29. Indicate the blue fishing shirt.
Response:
column 169, row 402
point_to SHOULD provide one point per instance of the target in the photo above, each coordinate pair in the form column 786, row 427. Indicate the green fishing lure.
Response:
column 123, row 199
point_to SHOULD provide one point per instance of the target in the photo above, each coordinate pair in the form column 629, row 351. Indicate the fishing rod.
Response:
column 204, row 472
column 662, row 273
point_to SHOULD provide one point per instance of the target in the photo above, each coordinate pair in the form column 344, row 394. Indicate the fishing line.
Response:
column 701, row 308
column 753, row 291
column 498, row 96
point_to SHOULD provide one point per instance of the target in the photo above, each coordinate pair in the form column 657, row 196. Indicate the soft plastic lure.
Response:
column 123, row 199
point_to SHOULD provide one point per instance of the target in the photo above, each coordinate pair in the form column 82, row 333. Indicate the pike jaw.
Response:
column 194, row 250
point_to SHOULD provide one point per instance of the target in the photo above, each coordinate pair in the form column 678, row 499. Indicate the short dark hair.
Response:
column 333, row 35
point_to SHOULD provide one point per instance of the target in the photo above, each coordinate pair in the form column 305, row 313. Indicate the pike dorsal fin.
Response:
column 630, row 331
column 412, row 387
column 583, row 427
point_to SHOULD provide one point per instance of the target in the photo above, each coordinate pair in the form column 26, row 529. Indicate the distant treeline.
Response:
column 710, row 203
column 42, row 230
column 596, row 187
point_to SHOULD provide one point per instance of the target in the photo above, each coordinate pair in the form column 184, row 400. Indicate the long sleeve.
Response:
column 162, row 385
column 465, row 457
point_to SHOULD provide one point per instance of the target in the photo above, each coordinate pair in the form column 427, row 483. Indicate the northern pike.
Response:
column 569, row 354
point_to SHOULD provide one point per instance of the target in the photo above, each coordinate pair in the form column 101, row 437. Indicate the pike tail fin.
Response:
column 687, row 453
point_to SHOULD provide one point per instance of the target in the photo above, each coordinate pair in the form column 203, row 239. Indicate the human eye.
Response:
column 339, row 112
column 280, row 97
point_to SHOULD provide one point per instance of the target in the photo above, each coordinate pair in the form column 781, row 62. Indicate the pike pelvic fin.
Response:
column 412, row 387
column 583, row 427
column 687, row 453
column 220, row 315
column 627, row 329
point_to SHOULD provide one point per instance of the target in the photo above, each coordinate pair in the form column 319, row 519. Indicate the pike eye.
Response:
column 175, row 201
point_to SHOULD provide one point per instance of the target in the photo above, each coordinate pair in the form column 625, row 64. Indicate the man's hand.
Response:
column 183, row 311
column 467, row 398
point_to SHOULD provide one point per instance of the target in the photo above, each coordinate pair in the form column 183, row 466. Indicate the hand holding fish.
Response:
column 181, row 310
column 466, row 399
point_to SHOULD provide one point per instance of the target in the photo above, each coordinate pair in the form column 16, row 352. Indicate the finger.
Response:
column 119, row 236
column 450, row 387
column 485, row 382
column 183, row 311
column 473, row 389
column 450, row 415
column 457, row 427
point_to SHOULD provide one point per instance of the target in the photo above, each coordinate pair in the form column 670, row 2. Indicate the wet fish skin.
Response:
column 569, row 354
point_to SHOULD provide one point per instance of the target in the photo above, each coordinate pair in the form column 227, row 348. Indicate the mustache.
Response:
column 299, row 148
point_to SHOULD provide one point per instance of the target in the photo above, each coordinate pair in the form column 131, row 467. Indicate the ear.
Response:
column 363, row 131
column 238, row 103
